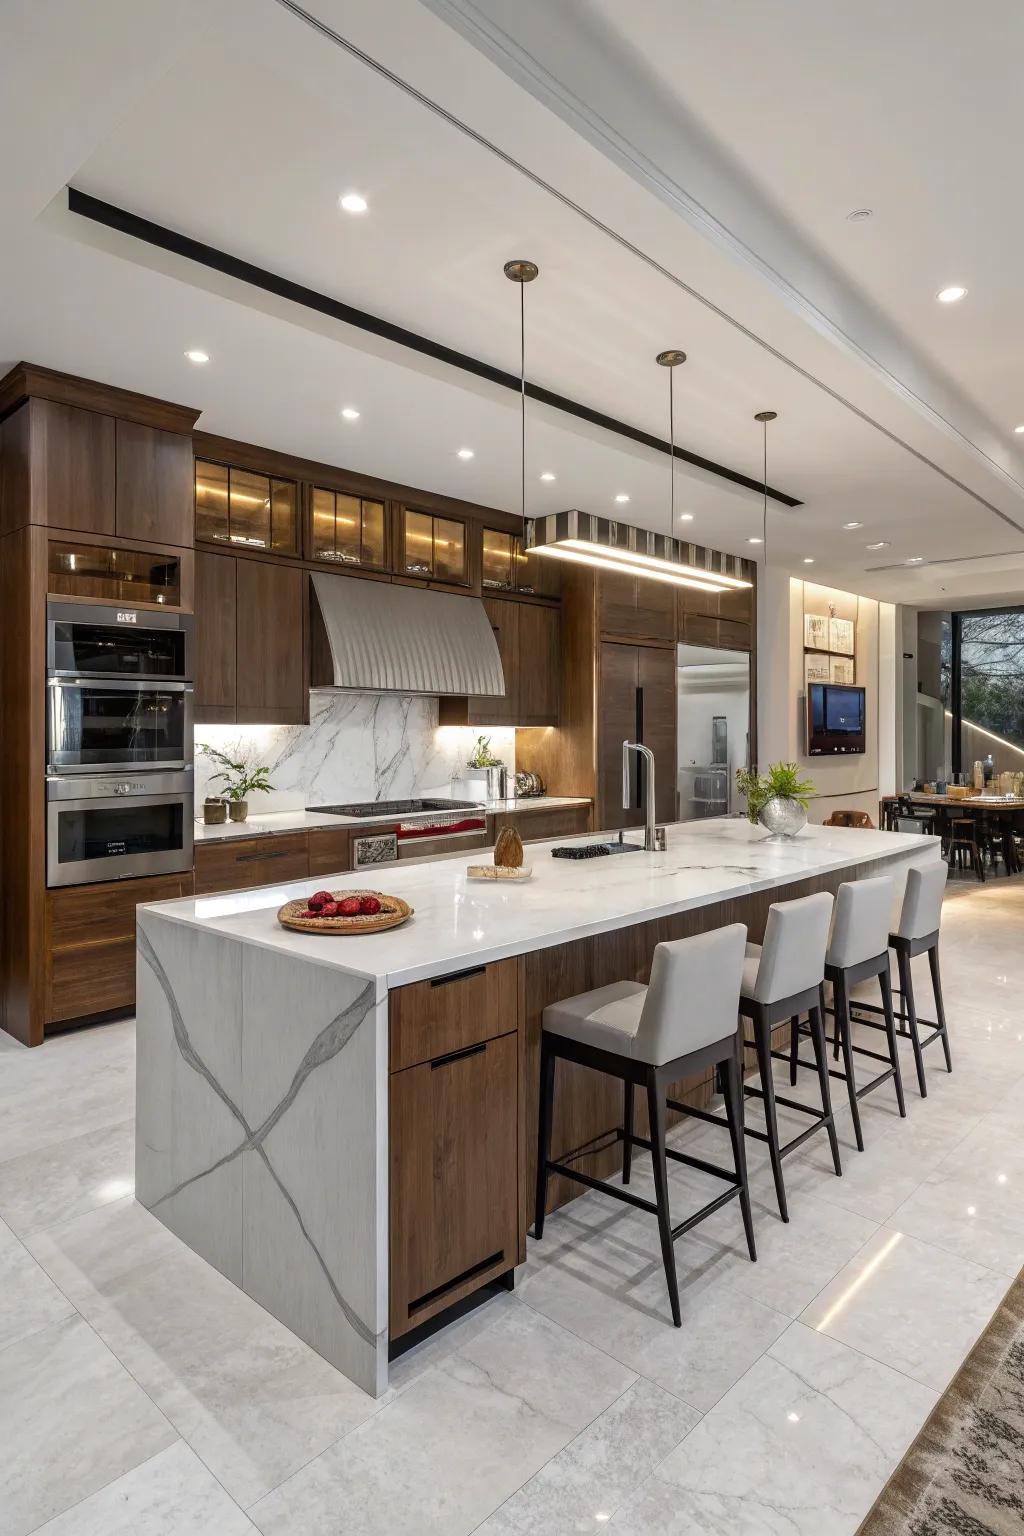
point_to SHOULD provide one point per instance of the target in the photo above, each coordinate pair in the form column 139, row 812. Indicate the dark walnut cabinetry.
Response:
column 454, row 1151
column 637, row 692
column 505, row 566
column 527, row 637
column 722, row 620
column 251, row 659
column 633, row 608
column 238, row 863
column 543, row 823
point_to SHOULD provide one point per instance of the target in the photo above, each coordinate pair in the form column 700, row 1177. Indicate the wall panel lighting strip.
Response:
column 618, row 546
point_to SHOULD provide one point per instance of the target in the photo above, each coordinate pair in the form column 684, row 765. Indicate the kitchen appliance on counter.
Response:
column 421, row 827
column 119, row 717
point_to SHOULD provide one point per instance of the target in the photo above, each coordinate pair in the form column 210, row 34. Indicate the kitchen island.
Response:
column 345, row 1127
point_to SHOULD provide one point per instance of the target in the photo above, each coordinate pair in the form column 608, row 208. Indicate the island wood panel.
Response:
column 453, row 1178
column 449, row 1013
column 588, row 1105
column 155, row 495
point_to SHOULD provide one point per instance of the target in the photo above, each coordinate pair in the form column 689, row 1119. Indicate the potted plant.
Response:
column 484, row 766
column 777, row 799
column 240, row 781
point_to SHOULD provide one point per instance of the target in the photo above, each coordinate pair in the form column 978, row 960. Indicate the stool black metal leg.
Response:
column 841, row 1015
column 817, row 1022
column 627, row 1131
column 763, row 1045
column 794, row 1047
column 890, row 1030
column 657, row 1114
column 547, row 1097
column 734, row 1114
column 940, row 1011
column 910, row 1010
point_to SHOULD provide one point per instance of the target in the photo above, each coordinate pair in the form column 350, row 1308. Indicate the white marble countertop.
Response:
column 301, row 821
column 459, row 922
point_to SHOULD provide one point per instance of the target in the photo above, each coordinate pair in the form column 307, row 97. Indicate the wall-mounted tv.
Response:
column 835, row 720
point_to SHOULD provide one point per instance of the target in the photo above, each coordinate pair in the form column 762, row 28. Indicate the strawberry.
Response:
column 329, row 909
column 349, row 907
column 319, row 900
column 369, row 905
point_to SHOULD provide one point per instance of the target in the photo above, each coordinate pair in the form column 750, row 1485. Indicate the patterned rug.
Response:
column 964, row 1473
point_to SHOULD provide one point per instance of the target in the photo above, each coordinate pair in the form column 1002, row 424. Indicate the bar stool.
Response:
column 682, row 1023
column 918, row 934
column 782, row 978
column 858, row 949
column 963, row 841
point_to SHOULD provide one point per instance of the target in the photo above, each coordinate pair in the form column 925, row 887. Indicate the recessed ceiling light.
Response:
column 858, row 215
column 808, row 559
column 547, row 475
column 755, row 540
column 196, row 356
column 878, row 544
column 951, row 295
column 686, row 517
column 1020, row 428
column 353, row 202
column 853, row 525
column 622, row 496
column 350, row 413
column 465, row 453
column 914, row 560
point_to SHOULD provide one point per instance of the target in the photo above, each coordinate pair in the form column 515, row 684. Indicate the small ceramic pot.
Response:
column 215, row 813
column 238, row 810
column 782, row 817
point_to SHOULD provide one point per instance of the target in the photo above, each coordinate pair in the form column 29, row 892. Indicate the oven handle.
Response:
column 118, row 684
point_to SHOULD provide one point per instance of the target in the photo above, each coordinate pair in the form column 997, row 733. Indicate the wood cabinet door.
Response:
column 214, row 644
column 272, row 684
column 538, row 665
column 540, row 825
column 616, row 722
column 498, row 709
column 155, row 497
column 657, row 681
column 454, row 1178
column 616, row 604
column 72, row 467
column 238, row 863
column 634, row 608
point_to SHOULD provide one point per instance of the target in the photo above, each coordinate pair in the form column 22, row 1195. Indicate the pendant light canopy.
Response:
column 606, row 544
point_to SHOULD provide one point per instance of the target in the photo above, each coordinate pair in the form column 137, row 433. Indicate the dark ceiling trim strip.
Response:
column 158, row 235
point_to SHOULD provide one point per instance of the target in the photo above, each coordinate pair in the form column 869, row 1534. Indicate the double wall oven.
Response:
column 118, row 743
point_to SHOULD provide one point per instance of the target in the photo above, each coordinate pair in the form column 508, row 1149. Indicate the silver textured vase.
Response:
column 782, row 817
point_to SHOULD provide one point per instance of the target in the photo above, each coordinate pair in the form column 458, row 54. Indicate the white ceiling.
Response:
column 239, row 125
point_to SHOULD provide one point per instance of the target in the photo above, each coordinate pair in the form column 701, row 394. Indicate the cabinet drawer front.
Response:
column 538, row 826
column 329, row 851
column 454, row 1178
column 232, row 865
column 94, row 978
column 432, row 1018
column 94, row 914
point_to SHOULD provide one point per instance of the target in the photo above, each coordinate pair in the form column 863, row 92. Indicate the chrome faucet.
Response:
column 654, row 837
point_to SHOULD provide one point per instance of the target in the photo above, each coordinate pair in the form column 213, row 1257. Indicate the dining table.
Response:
column 989, row 804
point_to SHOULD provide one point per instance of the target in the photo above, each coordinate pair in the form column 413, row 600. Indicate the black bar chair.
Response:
column 649, row 1037
column 964, row 845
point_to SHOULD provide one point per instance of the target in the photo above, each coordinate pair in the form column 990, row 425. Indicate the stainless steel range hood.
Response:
column 381, row 637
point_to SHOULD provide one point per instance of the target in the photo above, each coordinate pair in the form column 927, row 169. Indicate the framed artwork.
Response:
column 816, row 626
column 816, row 668
column 840, row 636
column 841, row 670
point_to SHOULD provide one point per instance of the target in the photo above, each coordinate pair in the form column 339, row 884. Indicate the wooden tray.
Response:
column 393, row 911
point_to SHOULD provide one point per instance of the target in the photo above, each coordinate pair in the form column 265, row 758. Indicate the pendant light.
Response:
column 764, row 417
column 601, row 542
column 522, row 272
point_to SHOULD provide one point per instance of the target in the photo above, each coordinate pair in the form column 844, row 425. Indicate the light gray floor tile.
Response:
column 444, row 1454
column 67, row 1178
column 172, row 1494
column 71, row 1420
column 29, row 1300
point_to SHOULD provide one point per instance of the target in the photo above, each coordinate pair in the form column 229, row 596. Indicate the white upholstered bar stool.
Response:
column 682, row 1023
column 858, row 950
column 917, row 933
column 782, row 979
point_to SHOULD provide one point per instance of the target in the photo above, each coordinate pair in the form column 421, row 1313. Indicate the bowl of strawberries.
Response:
column 344, row 912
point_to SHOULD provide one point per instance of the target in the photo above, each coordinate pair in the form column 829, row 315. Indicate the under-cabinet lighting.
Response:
column 591, row 540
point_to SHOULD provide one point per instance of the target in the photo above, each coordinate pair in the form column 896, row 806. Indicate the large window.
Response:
column 988, row 688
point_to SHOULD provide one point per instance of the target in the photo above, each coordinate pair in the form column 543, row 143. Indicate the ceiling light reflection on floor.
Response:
column 851, row 1290
column 115, row 1189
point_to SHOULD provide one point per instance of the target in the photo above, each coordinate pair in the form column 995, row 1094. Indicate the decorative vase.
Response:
column 238, row 810
column 782, row 817
column 215, row 813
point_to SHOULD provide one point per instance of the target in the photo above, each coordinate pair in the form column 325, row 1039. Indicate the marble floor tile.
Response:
column 29, row 1300
column 908, row 1304
column 581, row 1488
column 798, row 1447
column 253, row 1401
column 71, row 1420
column 66, row 1087
column 171, row 1494
column 67, row 1178
column 444, row 1454
column 970, row 1203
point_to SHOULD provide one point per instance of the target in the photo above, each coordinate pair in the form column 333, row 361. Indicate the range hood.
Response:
column 381, row 637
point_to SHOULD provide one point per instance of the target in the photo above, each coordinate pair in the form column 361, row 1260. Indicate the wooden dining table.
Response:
column 987, row 804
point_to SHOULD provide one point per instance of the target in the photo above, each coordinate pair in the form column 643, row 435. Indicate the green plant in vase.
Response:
column 482, row 756
column 777, row 799
column 241, row 780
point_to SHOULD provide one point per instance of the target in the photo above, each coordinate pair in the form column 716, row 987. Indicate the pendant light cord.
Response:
column 764, row 515
column 522, row 393
column 671, row 457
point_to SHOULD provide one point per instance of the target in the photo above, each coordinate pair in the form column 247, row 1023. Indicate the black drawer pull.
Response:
column 449, row 1285
column 248, row 858
column 469, row 1050
column 443, row 981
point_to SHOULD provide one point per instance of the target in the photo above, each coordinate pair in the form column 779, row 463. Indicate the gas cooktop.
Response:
column 396, row 807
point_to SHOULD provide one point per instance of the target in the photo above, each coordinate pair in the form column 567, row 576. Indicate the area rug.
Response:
column 964, row 1473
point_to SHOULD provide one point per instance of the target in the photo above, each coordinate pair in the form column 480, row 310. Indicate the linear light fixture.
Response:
column 592, row 540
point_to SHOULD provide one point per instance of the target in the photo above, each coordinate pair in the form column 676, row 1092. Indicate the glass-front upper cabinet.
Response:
column 506, row 566
column 241, row 507
column 348, row 530
column 434, row 547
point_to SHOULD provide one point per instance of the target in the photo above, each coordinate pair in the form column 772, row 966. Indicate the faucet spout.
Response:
column 654, row 836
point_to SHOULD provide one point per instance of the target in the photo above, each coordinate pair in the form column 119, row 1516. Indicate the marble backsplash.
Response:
column 357, row 746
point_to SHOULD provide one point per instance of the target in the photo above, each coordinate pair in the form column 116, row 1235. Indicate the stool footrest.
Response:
column 786, row 1147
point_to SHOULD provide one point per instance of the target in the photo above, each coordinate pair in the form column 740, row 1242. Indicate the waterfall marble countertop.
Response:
column 301, row 821
column 460, row 922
